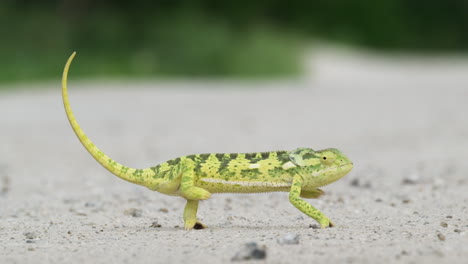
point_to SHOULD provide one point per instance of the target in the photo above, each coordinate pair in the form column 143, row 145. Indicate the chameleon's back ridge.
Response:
column 195, row 177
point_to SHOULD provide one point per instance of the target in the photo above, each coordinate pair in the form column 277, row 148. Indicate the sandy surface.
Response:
column 403, row 121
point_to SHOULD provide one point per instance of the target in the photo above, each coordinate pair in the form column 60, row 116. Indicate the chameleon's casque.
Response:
column 195, row 177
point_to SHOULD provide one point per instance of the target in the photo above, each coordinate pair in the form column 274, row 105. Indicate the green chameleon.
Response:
column 195, row 177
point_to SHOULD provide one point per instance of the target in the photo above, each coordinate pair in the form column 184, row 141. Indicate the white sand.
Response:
column 403, row 121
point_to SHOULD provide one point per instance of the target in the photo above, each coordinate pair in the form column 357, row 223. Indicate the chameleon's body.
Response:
column 195, row 177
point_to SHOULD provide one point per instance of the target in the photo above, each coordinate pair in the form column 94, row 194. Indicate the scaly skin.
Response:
column 195, row 177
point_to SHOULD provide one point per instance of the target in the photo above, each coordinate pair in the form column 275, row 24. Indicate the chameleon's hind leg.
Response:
column 192, row 193
column 187, row 183
column 305, row 207
column 190, row 216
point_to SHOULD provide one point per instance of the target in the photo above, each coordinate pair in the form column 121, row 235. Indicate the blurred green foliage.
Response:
column 211, row 38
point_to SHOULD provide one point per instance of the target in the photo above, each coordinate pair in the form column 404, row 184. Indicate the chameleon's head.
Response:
column 320, row 167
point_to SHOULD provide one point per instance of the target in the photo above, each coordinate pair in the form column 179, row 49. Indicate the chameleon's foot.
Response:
column 190, row 216
column 189, row 225
column 325, row 222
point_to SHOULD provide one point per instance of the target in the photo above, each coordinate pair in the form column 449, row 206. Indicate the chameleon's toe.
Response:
column 188, row 225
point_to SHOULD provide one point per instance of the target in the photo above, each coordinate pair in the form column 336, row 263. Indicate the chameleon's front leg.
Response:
column 193, row 194
column 303, row 206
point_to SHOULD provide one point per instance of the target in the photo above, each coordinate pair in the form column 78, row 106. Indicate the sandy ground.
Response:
column 403, row 121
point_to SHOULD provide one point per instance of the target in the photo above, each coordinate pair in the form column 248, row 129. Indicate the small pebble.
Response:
column 289, row 239
column 443, row 224
column 89, row 204
column 411, row 179
column 406, row 201
column 155, row 225
column 30, row 235
column 457, row 231
column 250, row 251
column 357, row 183
column 449, row 216
column 164, row 210
column 314, row 226
column 441, row 236
column 133, row 212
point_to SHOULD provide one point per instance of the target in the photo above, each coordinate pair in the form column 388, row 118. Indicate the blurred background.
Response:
column 206, row 38
column 384, row 81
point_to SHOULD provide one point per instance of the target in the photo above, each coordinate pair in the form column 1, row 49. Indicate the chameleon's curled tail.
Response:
column 137, row 176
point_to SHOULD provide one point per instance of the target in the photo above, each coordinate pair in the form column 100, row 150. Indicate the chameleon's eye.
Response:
column 328, row 158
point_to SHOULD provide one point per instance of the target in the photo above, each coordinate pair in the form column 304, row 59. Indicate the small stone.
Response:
column 30, row 235
column 133, row 212
column 443, row 224
column 413, row 178
column 289, row 239
column 378, row 200
column 6, row 183
column 355, row 182
column 449, row 216
column 90, row 204
column 314, row 226
column 406, row 201
column 457, row 230
column 155, row 225
column 441, row 236
column 163, row 210
column 250, row 251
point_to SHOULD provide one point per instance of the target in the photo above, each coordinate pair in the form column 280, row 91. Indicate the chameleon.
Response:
column 300, row 172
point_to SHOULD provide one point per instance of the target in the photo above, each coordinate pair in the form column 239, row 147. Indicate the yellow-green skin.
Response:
column 195, row 177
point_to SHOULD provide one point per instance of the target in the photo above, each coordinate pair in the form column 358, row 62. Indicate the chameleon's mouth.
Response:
column 343, row 169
